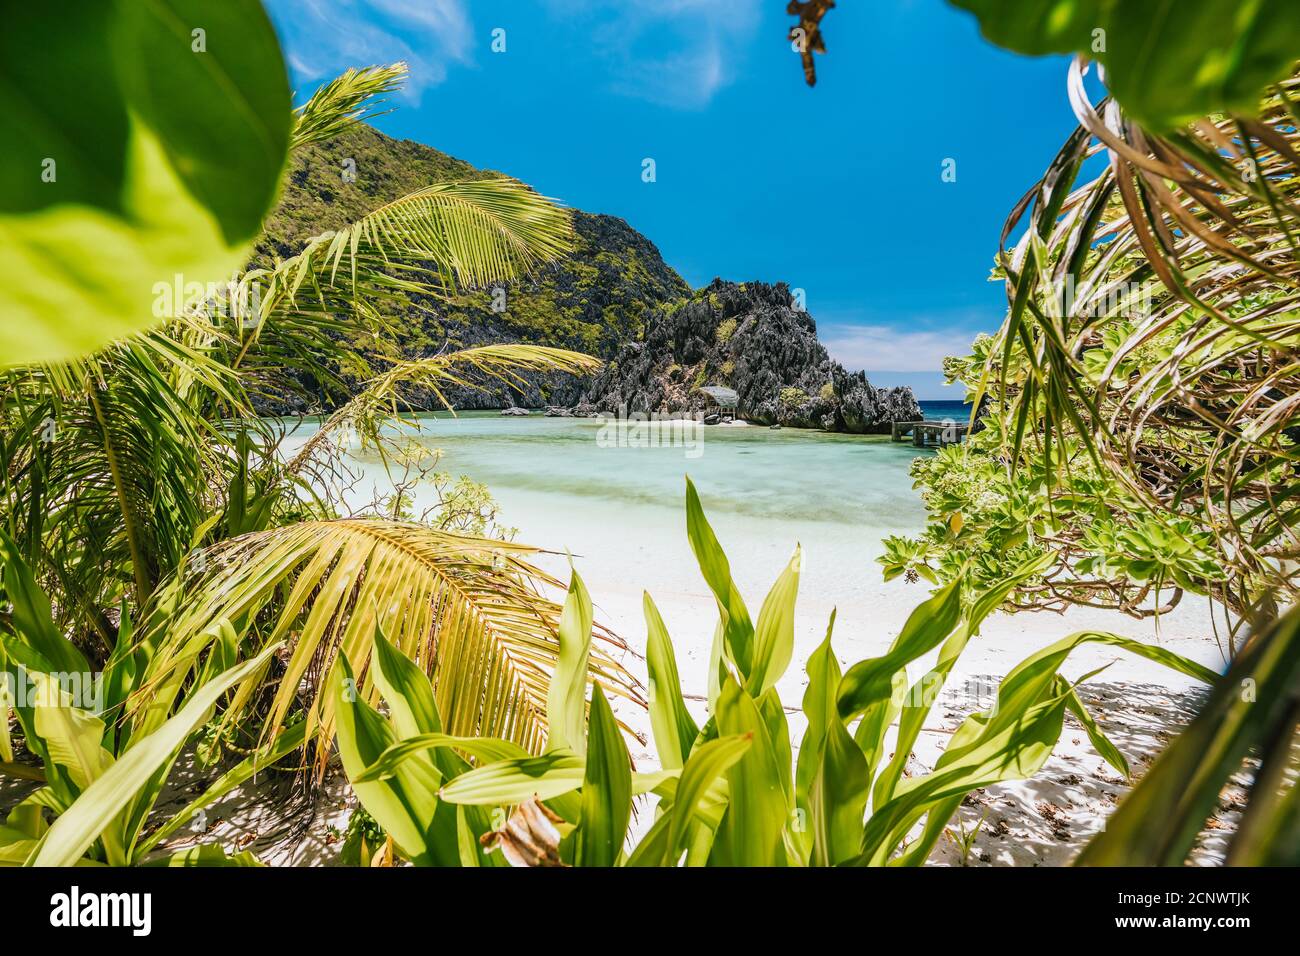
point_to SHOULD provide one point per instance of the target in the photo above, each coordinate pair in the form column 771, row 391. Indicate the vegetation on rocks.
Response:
column 754, row 338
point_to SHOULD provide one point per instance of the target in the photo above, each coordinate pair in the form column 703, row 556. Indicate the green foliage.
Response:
column 130, row 472
column 1106, row 546
column 131, row 156
column 1167, row 63
column 726, row 329
column 792, row 397
column 730, row 793
column 103, row 777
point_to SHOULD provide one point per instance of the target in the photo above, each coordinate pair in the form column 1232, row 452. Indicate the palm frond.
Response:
column 107, row 471
column 347, row 99
column 427, row 244
column 384, row 398
column 470, row 611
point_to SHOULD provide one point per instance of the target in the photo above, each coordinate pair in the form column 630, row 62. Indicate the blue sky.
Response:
column 836, row 190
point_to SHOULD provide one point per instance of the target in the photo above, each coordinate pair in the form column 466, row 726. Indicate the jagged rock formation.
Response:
column 614, row 297
column 753, row 338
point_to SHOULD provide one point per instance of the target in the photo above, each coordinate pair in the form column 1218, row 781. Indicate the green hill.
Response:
column 594, row 301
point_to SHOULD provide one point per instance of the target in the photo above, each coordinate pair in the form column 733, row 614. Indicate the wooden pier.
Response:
column 926, row 433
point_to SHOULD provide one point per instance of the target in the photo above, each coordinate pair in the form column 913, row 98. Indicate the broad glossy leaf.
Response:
column 819, row 704
column 738, row 630
column 136, row 150
column 832, row 778
column 405, row 688
column 837, row 797
column 674, row 728
column 405, row 802
column 606, row 790
column 1017, row 751
column 920, row 697
column 871, row 681
column 488, row 750
column 566, row 700
column 706, row 764
column 757, row 811
column 73, row 737
column 1168, row 62
column 774, row 632
column 553, row 774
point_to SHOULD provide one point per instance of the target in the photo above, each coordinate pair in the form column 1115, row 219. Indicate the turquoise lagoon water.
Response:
column 619, row 511
column 762, row 474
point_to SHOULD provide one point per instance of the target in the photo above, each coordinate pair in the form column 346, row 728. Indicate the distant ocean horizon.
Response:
column 938, row 410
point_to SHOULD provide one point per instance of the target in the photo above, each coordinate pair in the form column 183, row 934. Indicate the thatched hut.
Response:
column 722, row 402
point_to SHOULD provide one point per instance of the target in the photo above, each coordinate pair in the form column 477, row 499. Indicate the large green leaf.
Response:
column 920, row 697
column 1168, row 62
column 751, row 830
column 737, row 628
column 137, row 149
column 674, row 728
column 774, row 631
column 872, row 681
column 837, row 797
column 404, row 802
column 663, row 845
column 1016, row 751
column 487, row 749
column 832, row 779
column 606, row 790
column 506, row 782
column 566, row 698
column 73, row 737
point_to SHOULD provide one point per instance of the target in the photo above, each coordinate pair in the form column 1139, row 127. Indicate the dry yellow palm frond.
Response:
column 470, row 611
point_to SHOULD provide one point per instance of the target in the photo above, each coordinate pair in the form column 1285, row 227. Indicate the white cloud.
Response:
column 676, row 53
column 881, row 348
column 324, row 37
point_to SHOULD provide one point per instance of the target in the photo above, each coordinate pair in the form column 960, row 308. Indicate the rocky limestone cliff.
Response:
column 753, row 338
column 614, row 297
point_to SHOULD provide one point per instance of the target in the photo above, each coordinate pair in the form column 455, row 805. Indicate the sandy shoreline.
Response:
column 623, row 542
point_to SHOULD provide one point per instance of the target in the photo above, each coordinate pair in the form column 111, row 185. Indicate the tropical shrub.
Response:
column 101, row 775
column 194, row 563
column 729, row 793
column 1140, row 396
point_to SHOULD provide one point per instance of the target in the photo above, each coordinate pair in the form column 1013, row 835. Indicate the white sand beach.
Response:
column 619, row 513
